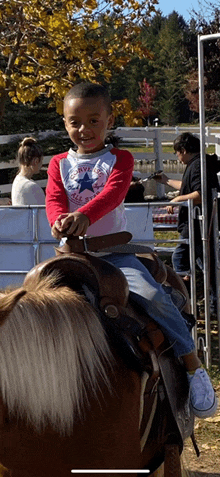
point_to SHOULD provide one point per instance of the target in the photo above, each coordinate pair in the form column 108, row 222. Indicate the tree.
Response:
column 146, row 100
column 171, row 64
column 211, row 96
column 207, row 21
column 130, row 118
column 47, row 46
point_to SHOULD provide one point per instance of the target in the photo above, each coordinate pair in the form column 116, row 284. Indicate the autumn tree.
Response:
column 45, row 47
column 146, row 99
column 211, row 95
column 192, row 90
column 207, row 21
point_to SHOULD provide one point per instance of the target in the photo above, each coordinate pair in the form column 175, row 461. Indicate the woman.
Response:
column 24, row 190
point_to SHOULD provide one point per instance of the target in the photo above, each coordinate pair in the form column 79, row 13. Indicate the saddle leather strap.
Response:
column 86, row 244
column 154, row 334
column 148, row 403
column 155, row 375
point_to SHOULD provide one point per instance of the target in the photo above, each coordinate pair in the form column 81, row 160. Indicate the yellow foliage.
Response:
column 59, row 107
column 14, row 99
column 123, row 108
column 95, row 25
column 64, row 41
column 91, row 4
column 2, row 80
column 27, row 69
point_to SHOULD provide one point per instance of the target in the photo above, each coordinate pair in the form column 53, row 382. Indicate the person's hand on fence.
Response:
column 170, row 208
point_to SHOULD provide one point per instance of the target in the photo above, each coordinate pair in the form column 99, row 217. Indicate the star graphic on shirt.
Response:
column 86, row 183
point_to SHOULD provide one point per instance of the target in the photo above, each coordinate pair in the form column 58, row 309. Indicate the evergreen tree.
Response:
column 171, row 67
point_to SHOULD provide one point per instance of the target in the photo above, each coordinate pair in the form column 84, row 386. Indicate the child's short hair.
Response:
column 29, row 150
column 187, row 141
column 89, row 90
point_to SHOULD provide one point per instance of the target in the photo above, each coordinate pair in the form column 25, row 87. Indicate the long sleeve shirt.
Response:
column 93, row 184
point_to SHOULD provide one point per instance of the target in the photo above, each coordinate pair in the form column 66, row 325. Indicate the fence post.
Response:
column 215, row 197
column 158, row 161
column 207, row 131
column 192, row 266
column 217, row 145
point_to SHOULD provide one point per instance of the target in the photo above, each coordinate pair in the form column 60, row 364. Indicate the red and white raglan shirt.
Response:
column 94, row 184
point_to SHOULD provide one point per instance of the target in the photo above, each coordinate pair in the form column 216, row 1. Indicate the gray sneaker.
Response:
column 202, row 395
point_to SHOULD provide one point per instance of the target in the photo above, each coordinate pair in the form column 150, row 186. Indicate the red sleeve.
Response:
column 56, row 198
column 114, row 190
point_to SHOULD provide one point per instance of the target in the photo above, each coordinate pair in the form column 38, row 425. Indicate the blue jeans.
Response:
column 180, row 258
column 155, row 300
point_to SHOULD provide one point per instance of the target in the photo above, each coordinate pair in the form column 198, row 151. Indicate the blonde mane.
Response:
column 52, row 351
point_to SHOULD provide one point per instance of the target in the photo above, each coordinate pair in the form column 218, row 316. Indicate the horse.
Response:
column 88, row 381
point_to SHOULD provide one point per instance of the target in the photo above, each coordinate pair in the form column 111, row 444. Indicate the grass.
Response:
column 167, row 236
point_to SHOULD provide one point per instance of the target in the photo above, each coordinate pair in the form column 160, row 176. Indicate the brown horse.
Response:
column 69, row 397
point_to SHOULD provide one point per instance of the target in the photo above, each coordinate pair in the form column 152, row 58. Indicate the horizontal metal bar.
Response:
column 13, row 272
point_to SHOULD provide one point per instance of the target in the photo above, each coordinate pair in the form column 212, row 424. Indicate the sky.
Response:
column 183, row 7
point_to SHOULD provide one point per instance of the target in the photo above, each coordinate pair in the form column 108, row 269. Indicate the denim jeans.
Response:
column 155, row 300
column 180, row 258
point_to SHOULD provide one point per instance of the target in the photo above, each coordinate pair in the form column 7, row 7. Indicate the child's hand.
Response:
column 73, row 223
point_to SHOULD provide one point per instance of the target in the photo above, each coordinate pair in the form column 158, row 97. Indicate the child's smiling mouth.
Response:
column 86, row 139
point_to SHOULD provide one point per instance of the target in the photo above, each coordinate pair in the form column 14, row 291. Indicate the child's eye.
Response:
column 94, row 121
column 73, row 123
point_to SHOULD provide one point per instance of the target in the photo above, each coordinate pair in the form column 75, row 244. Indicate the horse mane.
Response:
column 53, row 350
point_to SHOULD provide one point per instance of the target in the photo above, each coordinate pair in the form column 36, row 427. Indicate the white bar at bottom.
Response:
column 105, row 471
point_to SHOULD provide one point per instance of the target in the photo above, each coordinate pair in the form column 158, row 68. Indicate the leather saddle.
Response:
column 135, row 336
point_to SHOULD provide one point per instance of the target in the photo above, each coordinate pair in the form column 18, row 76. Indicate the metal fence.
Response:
column 146, row 137
column 25, row 239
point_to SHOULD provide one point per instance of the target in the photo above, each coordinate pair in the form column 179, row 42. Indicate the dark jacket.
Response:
column 191, row 182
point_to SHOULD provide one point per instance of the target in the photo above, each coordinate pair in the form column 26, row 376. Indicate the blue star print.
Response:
column 86, row 183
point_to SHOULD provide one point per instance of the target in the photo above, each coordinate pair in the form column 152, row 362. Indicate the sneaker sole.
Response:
column 208, row 413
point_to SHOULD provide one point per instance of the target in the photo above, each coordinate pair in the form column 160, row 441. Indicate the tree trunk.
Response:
column 2, row 106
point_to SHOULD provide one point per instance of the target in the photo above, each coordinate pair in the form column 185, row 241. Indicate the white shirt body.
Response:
column 26, row 192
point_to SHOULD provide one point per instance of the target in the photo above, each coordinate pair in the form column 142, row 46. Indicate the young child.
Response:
column 85, row 195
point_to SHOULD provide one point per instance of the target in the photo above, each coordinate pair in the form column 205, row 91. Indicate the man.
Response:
column 187, row 148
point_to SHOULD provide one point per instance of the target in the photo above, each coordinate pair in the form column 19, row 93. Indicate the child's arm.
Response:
column 56, row 198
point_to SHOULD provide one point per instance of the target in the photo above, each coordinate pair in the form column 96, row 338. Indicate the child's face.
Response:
column 87, row 121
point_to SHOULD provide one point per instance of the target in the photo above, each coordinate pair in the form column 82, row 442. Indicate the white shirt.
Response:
column 26, row 192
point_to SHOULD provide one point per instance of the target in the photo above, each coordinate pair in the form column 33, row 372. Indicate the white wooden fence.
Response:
column 144, row 137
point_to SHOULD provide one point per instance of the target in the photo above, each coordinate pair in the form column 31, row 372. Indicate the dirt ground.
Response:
column 207, row 433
